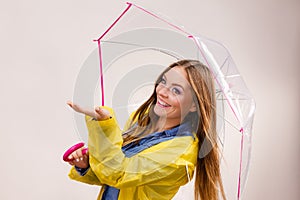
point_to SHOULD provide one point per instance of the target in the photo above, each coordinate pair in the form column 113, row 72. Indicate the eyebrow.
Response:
column 176, row 84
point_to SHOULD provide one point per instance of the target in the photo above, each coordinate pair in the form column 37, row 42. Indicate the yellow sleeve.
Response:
column 165, row 162
column 89, row 177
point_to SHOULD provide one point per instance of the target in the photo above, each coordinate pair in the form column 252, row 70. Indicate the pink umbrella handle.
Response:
column 72, row 149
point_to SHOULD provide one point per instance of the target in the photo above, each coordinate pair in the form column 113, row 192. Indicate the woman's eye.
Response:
column 163, row 81
column 176, row 91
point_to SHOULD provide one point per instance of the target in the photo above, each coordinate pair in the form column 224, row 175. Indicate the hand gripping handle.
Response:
column 72, row 149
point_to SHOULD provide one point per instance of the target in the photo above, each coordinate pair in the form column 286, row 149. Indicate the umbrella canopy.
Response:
column 130, row 55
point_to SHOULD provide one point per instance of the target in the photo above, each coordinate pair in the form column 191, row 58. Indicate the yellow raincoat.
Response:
column 155, row 173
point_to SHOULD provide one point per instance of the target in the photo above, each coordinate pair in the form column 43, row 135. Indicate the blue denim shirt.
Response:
column 111, row 193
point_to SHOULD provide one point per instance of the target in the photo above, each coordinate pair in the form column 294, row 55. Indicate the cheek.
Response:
column 158, row 89
column 184, row 103
column 177, row 102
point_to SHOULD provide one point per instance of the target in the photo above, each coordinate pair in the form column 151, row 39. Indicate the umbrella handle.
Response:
column 72, row 149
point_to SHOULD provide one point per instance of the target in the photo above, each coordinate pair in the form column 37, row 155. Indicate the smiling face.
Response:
column 174, row 97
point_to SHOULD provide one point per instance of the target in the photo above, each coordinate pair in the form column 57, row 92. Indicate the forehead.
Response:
column 177, row 75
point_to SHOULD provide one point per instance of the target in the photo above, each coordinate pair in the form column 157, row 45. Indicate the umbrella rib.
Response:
column 224, row 62
column 116, row 42
column 157, row 49
column 229, row 123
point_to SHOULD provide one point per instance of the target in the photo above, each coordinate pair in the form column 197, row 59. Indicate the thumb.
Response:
column 104, row 114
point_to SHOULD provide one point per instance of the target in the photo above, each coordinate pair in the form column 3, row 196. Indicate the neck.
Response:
column 165, row 124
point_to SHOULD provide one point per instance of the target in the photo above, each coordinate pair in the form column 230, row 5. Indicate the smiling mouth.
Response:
column 163, row 104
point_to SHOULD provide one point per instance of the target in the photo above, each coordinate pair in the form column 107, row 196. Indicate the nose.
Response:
column 162, row 91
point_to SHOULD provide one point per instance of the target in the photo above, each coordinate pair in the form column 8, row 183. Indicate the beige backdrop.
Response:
column 44, row 43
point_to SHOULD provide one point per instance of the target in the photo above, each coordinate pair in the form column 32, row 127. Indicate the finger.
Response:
column 75, row 156
column 79, row 155
column 75, row 107
column 100, row 111
column 102, row 114
column 70, row 103
column 79, row 152
column 70, row 157
column 86, row 111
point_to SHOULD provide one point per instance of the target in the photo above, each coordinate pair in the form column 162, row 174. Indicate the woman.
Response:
column 159, row 150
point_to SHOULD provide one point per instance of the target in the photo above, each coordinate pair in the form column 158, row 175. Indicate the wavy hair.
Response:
column 208, row 181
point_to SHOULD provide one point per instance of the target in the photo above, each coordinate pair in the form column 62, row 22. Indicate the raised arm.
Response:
column 167, row 161
column 77, row 158
column 98, row 113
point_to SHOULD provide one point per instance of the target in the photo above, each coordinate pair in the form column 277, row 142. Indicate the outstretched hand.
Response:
column 98, row 113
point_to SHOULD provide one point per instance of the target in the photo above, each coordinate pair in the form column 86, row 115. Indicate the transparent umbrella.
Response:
column 130, row 55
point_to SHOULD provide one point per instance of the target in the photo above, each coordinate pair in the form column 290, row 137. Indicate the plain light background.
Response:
column 44, row 43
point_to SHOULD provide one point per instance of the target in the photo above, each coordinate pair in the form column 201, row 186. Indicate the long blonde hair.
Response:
column 208, row 180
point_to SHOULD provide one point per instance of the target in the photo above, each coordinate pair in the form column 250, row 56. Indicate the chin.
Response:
column 159, row 111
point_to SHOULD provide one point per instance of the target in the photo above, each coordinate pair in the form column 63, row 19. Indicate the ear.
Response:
column 193, row 107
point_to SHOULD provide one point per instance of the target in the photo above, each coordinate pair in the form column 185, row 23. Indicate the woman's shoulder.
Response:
column 174, row 145
column 173, row 151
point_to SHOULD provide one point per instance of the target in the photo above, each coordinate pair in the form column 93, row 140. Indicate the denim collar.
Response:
column 152, row 139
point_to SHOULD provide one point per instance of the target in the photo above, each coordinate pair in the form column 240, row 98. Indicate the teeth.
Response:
column 162, row 103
